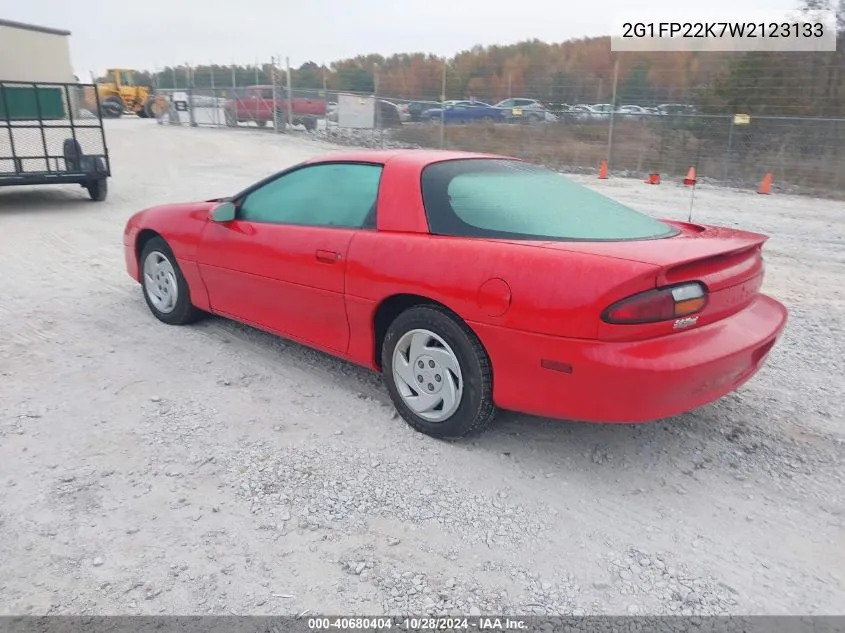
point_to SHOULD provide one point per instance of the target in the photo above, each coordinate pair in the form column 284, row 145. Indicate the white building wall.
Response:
column 31, row 55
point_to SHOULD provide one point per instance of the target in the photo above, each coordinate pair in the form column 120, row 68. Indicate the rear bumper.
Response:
column 629, row 382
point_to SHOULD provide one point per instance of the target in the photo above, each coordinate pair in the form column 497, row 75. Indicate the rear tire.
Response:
column 451, row 394
column 165, row 289
column 112, row 107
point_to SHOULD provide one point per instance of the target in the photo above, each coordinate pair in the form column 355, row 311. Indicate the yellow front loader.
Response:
column 119, row 94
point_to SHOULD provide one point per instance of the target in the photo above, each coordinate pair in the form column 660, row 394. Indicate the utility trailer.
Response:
column 52, row 133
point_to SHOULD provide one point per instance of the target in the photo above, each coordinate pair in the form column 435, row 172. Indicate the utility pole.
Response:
column 443, row 107
column 290, row 91
column 612, row 110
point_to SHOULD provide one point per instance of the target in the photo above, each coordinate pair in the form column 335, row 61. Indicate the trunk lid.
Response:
column 728, row 262
column 719, row 253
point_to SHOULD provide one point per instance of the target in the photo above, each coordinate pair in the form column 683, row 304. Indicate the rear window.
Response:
column 500, row 198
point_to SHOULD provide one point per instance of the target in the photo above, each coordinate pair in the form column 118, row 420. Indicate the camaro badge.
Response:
column 685, row 322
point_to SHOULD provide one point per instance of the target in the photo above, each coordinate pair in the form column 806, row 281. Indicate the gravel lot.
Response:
column 147, row 469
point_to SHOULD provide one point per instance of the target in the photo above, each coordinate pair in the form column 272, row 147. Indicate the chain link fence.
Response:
column 803, row 154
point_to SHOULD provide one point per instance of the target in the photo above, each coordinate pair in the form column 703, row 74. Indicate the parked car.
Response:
column 557, row 109
column 676, row 109
column 632, row 110
column 257, row 104
column 584, row 113
column 526, row 110
column 603, row 110
column 416, row 109
column 390, row 114
column 464, row 112
column 580, row 307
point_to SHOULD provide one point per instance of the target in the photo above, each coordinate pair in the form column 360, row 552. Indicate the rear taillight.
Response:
column 663, row 304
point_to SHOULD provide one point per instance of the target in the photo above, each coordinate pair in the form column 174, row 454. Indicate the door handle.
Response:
column 328, row 257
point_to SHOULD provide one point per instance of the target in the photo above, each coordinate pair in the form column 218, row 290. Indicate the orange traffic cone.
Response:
column 603, row 170
column 690, row 179
column 766, row 184
column 653, row 179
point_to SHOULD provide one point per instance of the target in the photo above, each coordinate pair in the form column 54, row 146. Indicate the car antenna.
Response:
column 691, row 202
column 694, row 180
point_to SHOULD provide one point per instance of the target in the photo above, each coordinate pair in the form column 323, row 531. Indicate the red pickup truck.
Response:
column 256, row 104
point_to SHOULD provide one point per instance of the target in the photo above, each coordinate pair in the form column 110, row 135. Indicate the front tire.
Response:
column 112, row 107
column 437, row 373
column 165, row 289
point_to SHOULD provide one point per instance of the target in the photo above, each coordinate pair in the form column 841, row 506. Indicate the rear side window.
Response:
column 510, row 199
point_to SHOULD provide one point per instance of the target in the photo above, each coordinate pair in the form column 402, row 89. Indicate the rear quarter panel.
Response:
column 550, row 292
column 556, row 293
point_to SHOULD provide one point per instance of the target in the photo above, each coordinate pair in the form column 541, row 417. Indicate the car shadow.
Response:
column 35, row 199
column 728, row 437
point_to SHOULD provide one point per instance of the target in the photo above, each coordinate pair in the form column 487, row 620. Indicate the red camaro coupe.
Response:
column 472, row 282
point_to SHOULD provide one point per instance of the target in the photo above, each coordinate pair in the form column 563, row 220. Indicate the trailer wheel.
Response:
column 98, row 188
column 309, row 123
column 112, row 107
column 72, row 152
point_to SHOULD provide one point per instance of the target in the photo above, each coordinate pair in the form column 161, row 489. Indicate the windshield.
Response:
column 505, row 198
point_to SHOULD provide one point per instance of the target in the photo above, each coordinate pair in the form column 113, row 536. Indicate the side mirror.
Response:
column 223, row 212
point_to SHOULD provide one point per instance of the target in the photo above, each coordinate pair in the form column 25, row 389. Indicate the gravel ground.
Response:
column 215, row 469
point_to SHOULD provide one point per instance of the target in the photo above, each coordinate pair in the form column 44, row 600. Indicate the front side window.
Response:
column 501, row 198
column 326, row 195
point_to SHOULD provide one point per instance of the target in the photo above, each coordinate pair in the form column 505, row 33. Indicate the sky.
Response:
column 153, row 34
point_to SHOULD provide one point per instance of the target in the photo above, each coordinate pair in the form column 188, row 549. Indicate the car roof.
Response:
column 418, row 157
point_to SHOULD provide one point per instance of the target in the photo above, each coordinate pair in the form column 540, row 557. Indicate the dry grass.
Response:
column 639, row 149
